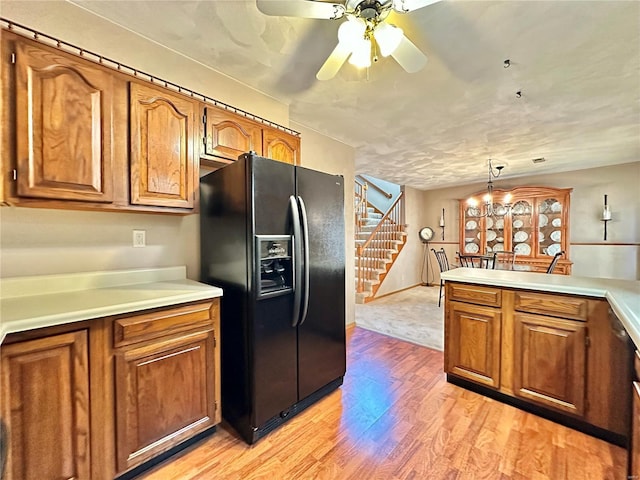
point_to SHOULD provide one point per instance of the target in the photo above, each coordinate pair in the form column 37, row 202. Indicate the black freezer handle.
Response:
column 305, row 236
column 297, row 260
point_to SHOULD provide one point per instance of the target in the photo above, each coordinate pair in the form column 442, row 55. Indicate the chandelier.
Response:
column 489, row 208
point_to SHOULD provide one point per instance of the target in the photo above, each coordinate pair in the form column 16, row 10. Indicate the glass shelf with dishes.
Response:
column 494, row 227
column 522, row 227
column 472, row 231
column 534, row 227
column 550, row 230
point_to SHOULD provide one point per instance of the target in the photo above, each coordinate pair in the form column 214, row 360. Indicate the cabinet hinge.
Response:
column 204, row 116
column 215, row 341
column 14, row 174
column 13, row 57
column 215, row 406
column 587, row 341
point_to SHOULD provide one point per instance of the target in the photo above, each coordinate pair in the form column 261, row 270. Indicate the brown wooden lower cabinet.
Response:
column 550, row 362
column 145, row 382
column 635, row 434
column 474, row 340
column 164, row 394
column 554, row 351
column 45, row 407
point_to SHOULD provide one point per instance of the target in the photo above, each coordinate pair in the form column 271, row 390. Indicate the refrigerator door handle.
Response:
column 297, row 260
column 305, row 236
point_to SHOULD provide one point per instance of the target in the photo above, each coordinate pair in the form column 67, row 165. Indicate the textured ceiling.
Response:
column 577, row 64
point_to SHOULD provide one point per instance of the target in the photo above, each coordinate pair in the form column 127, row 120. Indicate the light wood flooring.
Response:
column 396, row 417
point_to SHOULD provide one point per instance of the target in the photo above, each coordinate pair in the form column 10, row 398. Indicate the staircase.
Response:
column 379, row 239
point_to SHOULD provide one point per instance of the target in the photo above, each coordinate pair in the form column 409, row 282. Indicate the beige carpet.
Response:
column 412, row 315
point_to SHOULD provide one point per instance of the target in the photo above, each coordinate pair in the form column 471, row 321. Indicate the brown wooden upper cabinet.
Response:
column 162, row 152
column 63, row 126
column 227, row 135
column 281, row 146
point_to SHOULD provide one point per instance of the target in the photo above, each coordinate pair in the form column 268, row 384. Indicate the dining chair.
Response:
column 474, row 261
column 443, row 263
column 553, row 263
column 503, row 260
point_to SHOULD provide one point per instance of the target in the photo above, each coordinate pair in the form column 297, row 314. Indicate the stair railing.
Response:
column 360, row 178
column 381, row 239
column 361, row 204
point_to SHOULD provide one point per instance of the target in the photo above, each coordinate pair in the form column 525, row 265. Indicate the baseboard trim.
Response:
column 401, row 290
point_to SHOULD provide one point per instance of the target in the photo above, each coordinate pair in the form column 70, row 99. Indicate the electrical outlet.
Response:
column 139, row 238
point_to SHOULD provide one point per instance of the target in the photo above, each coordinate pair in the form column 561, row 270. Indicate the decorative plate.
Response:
column 556, row 235
column 500, row 239
column 556, row 222
column 556, row 207
column 473, row 212
column 522, row 249
column 471, row 225
column 518, row 224
column 469, row 239
column 479, row 235
column 498, row 247
column 489, row 223
column 500, row 223
column 553, row 249
column 491, row 236
column 499, row 209
column 489, row 249
column 520, row 236
column 540, row 237
column 542, row 220
column 471, row 248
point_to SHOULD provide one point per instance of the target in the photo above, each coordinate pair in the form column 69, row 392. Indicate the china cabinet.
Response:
column 533, row 222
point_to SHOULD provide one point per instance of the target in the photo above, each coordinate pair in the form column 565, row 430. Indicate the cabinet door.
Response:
column 63, row 122
column 228, row 135
column 162, row 156
column 165, row 393
column 281, row 146
column 635, row 434
column 550, row 362
column 45, row 405
column 472, row 343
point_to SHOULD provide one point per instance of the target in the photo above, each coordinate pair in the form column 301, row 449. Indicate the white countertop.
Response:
column 623, row 295
column 27, row 303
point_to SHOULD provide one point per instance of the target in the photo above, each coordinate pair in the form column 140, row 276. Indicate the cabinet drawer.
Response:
column 491, row 297
column 158, row 323
column 554, row 305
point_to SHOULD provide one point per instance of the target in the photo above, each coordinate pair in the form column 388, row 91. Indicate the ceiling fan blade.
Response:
column 301, row 8
column 409, row 56
column 404, row 6
column 334, row 62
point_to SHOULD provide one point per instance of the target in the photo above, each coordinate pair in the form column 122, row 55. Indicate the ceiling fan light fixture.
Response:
column 361, row 56
column 388, row 38
column 352, row 31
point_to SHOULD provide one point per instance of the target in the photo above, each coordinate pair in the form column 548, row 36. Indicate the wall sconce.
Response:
column 606, row 216
column 442, row 223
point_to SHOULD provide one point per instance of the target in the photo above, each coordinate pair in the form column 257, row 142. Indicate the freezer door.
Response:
column 321, row 335
column 273, row 347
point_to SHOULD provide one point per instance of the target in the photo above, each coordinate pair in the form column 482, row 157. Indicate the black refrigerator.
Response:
column 272, row 236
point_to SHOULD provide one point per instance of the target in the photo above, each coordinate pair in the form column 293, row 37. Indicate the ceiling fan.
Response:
column 362, row 35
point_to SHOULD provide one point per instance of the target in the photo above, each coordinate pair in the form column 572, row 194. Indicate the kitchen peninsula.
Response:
column 559, row 346
column 106, row 370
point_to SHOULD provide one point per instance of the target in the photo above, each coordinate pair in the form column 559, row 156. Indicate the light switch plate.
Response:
column 139, row 238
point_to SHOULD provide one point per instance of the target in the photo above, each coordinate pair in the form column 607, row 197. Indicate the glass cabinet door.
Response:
column 522, row 228
column 472, row 231
column 495, row 229
column 549, row 226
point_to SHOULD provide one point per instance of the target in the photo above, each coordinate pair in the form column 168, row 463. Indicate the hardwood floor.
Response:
column 396, row 417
